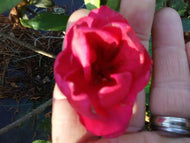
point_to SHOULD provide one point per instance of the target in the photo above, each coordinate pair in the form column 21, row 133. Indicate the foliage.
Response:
column 45, row 124
column 7, row 5
column 46, row 21
column 147, row 91
column 160, row 4
column 57, row 22
column 41, row 141
column 42, row 3
column 186, row 24
column 180, row 6
column 160, row 1
column 92, row 4
column 114, row 4
column 103, row 2
column 147, row 88
column 43, row 21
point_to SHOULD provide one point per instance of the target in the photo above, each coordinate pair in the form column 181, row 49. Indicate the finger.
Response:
column 171, row 81
column 66, row 126
column 140, row 16
column 143, row 137
column 76, row 16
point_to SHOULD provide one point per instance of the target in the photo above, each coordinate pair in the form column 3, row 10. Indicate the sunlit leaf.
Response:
column 6, row 5
column 114, row 4
column 41, row 141
column 47, row 22
column 43, row 3
column 92, row 4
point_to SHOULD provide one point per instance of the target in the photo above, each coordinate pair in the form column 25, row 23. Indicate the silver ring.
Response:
column 174, row 125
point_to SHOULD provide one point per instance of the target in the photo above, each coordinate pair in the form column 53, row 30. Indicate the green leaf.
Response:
column 43, row 3
column 150, row 46
column 41, row 141
column 114, row 4
column 186, row 24
column 160, row 4
column 147, row 90
column 180, row 6
column 47, row 22
column 6, row 5
column 92, row 4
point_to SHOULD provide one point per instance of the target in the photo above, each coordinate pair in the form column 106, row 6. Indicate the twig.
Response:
column 26, row 45
column 26, row 117
column 20, row 59
column 47, row 37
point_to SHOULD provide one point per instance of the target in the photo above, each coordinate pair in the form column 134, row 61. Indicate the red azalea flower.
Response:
column 101, row 70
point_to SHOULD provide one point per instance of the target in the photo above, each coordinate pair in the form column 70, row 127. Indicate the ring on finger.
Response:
column 172, row 125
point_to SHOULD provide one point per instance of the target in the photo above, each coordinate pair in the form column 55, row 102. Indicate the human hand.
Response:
column 170, row 83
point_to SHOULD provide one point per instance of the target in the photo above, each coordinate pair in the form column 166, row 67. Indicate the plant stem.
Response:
column 26, row 45
column 26, row 117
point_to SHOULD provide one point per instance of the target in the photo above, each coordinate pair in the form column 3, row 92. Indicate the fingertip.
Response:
column 140, row 16
column 167, row 13
column 76, row 16
column 167, row 27
column 57, row 94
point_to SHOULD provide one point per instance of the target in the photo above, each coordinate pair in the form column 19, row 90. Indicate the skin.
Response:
column 170, row 84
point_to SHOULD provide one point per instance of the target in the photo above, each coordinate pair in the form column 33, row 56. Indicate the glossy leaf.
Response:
column 47, row 22
column 92, row 4
column 114, row 4
column 43, row 3
column 6, row 5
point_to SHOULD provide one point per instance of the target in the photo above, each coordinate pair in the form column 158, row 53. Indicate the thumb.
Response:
column 66, row 126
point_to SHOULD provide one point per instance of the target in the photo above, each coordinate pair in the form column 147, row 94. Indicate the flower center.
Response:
column 101, row 71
